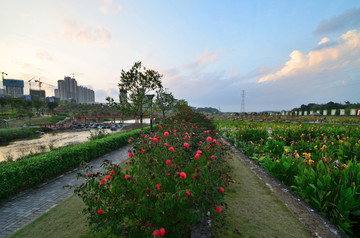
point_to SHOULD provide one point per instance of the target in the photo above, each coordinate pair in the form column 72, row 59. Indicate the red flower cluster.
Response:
column 183, row 175
column 160, row 232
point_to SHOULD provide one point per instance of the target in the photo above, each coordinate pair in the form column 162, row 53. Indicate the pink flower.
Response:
column 130, row 154
column 142, row 150
column 127, row 176
column 218, row 209
column 212, row 157
column 172, row 149
column 209, row 139
column 234, row 181
column 197, row 156
column 183, row 175
column 199, row 152
column 158, row 186
column 155, row 139
column 166, row 133
column 188, row 193
column 186, row 145
column 100, row 211
column 168, row 162
column 162, row 231
column 166, row 144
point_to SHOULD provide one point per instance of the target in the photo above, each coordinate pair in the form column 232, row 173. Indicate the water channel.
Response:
column 20, row 148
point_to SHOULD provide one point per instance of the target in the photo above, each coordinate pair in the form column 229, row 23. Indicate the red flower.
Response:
column 199, row 152
column 209, row 139
column 100, row 211
column 183, row 175
column 89, row 175
column 158, row 186
column 155, row 140
column 142, row 150
column 103, row 180
column 162, row 231
column 112, row 172
column 127, row 176
column 168, row 162
column 159, row 127
column 186, row 145
column 212, row 157
column 218, row 209
column 172, row 149
column 130, row 154
column 188, row 193
column 166, row 144
column 108, row 177
column 234, row 181
column 197, row 156
column 221, row 190
column 156, row 233
column 166, row 133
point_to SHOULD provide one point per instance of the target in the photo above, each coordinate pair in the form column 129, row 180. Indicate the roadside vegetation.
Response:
column 319, row 162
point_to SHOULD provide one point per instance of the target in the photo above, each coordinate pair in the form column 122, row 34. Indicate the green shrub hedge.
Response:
column 29, row 172
column 7, row 135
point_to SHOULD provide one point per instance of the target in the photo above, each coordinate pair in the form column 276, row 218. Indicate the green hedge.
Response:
column 7, row 135
column 32, row 171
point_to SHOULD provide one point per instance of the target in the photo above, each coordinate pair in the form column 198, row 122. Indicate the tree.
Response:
column 181, row 104
column 37, row 104
column 52, row 106
column 133, row 87
column 164, row 101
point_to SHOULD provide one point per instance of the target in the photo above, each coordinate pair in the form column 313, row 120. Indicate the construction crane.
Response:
column 40, row 83
column 30, row 84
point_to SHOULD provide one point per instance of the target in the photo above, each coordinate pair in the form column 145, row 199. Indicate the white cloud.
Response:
column 330, row 55
column 44, row 55
column 109, row 8
column 205, row 59
column 85, row 34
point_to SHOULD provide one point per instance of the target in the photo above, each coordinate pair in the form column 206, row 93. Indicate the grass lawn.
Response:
column 253, row 209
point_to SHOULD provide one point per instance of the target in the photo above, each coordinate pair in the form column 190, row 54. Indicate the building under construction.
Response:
column 13, row 87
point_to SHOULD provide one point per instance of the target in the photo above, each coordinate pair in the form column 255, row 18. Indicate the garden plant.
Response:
column 174, row 176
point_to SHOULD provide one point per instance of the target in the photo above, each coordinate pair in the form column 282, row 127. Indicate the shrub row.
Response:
column 31, row 171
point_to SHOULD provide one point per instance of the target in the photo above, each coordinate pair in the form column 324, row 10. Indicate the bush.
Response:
column 173, row 177
column 31, row 171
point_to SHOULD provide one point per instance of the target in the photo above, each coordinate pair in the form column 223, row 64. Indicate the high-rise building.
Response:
column 14, row 88
column 68, row 89
column 37, row 94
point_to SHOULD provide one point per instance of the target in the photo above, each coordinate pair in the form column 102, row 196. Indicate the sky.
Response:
column 281, row 53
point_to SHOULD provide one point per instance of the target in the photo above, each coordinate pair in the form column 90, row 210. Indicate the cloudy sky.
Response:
column 282, row 53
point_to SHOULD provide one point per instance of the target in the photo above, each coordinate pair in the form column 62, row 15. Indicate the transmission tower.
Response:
column 242, row 110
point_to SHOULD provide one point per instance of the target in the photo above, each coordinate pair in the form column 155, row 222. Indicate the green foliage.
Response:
column 320, row 162
column 97, row 134
column 164, row 101
column 133, row 86
column 31, row 171
column 164, row 185
column 10, row 134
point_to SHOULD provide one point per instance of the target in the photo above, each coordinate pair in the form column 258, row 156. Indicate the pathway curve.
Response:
column 26, row 207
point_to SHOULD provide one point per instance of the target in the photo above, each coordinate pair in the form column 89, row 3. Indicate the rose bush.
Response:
column 174, row 176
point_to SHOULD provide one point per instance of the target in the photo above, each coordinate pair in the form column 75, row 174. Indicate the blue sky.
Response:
column 282, row 53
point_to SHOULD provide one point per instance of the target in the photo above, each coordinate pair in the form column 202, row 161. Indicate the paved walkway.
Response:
column 26, row 207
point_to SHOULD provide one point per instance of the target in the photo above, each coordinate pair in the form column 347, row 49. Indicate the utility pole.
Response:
column 242, row 110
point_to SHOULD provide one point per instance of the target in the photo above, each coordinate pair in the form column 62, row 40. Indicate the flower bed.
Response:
column 173, row 177
column 320, row 163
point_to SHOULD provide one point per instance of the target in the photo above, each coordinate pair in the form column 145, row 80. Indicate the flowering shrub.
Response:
column 174, row 177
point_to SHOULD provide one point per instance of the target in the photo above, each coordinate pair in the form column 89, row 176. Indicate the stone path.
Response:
column 26, row 207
